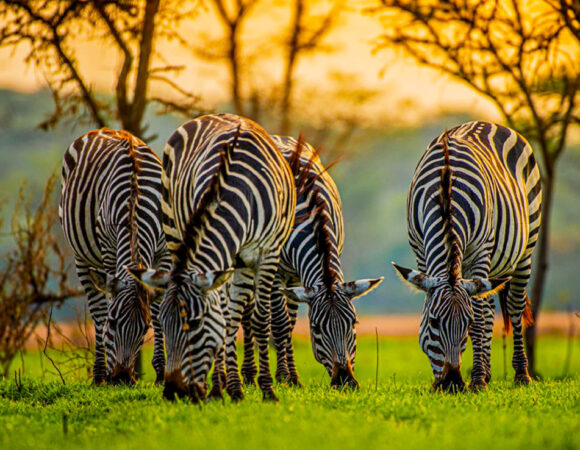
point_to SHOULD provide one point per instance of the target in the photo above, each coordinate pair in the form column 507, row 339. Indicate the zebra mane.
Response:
column 134, row 193
column 305, row 179
column 324, row 240
column 132, row 142
column 454, row 273
column 206, row 199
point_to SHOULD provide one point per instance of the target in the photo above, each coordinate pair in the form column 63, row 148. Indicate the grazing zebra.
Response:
column 310, row 272
column 473, row 213
column 228, row 205
column 110, row 210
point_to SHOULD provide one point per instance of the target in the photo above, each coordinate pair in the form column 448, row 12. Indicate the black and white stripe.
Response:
column 311, row 272
column 228, row 205
column 474, row 213
column 110, row 212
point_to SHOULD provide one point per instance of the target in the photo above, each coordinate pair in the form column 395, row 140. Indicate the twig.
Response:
column 504, row 345
column 377, row 365
column 46, row 344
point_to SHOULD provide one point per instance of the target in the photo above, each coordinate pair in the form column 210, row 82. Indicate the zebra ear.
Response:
column 299, row 294
column 151, row 278
column 484, row 287
column 210, row 281
column 99, row 280
column 358, row 288
column 415, row 278
column 106, row 283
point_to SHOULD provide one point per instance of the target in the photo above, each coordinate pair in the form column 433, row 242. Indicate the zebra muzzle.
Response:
column 122, row 375
column 174, row 386
column 342, row 376
column 450, row 380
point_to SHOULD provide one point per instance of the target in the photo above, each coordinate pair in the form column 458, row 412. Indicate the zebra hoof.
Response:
column 295, row 382
column 159, row 380
column 282, row 378
column 100, row 381
column 522, row 379
column 478, row 386
column 236, row 396
column 215, row 395
column 249, row 377
column 269, row 396
column 249, row 381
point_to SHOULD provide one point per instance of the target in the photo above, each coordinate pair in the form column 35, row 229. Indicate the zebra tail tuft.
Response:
column 528, row 317
column 507, row 324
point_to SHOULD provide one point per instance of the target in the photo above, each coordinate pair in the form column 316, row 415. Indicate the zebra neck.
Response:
column 312, row 273
column 444, row 256
column 209, row 252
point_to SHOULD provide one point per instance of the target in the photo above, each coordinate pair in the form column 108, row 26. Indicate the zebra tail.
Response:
column 507, row 324
column 528, row 317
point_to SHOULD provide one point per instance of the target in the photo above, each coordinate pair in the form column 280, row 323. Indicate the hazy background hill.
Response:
column 373, row 179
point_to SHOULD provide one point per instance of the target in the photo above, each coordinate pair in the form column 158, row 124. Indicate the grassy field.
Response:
column 395, row 411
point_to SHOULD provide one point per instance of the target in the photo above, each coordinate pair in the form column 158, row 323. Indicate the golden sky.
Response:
column 405, row 90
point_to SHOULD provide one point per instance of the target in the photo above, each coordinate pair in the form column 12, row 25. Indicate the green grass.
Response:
column 399, row 413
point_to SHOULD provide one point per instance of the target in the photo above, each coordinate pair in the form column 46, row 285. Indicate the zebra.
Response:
column 473, row 215
column 228, row 207
column 110, row 209
column 310, row 272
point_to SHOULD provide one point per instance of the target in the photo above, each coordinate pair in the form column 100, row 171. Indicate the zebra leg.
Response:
column 488, row 316
column 249, row 370
column 261, row 320
column 516, row 304
column 98, row 309
column 292, row 308
column 280, row 333
column 476, row 333
column 240, row 290
column 158, row 361
column 218, row 378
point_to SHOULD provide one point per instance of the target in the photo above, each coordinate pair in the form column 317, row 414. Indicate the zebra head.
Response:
column 446, row 319
column 128, row 320
column 332, row 324
column 193, row 325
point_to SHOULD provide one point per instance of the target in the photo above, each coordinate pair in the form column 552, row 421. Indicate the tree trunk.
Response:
column 139, row 102
column 235, row 70
column 290, row 65
column 542, row 255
